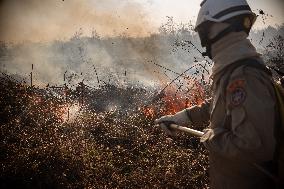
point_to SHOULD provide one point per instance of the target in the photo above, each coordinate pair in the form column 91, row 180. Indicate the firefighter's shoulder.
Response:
column 248, row 85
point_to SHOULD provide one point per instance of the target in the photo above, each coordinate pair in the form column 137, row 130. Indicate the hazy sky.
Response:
column 42, row 20
column 183, row 10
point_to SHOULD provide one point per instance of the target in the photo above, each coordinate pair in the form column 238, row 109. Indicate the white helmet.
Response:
column 237, row 13
column 222, row 10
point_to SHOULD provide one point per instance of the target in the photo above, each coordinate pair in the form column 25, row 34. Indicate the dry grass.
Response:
column 107, row 149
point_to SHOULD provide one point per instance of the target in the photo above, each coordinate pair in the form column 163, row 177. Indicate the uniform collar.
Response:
column 230, row 49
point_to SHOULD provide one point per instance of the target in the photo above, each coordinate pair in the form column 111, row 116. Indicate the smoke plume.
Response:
column 40, row 20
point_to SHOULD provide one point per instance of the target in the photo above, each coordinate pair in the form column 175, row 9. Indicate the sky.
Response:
column 184, row 10
column 41, row 20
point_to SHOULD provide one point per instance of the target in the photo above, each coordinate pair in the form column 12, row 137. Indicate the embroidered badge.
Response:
column 240, row 83
column 237, row 92
column 238, row 96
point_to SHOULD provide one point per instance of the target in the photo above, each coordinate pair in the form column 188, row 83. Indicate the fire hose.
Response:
column 196, row 133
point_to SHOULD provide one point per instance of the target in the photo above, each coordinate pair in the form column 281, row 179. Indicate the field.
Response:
column 42, row 148
column 96, row 129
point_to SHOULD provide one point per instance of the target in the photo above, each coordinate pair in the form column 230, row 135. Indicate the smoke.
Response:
column 35, row 25
column 125, row 53
column 120, row 60
column 41, row 20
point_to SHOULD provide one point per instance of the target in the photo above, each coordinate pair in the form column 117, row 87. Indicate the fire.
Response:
column 62, row 112
column 172, row 103
column 73, row 110
column 68, row 112
column 149, row 111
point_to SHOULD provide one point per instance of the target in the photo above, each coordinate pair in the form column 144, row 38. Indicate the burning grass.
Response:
column 94, row 146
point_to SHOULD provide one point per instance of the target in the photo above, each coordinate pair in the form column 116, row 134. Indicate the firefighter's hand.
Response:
column 166, row 128
column 211, row 133
column 181, row 118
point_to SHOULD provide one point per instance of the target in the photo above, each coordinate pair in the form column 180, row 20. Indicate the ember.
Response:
column 149, row 111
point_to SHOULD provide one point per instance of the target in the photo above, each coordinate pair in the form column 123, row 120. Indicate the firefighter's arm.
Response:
column 200, row 115
column 195, row 116
column 251, row 104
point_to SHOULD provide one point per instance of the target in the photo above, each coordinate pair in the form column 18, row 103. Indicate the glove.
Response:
column 167, row 129
column 209, row 134
column 181, row 118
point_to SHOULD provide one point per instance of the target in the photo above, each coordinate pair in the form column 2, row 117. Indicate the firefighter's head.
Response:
column 217, row 18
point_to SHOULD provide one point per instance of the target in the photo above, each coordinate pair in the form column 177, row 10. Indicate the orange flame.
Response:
column 149, row 111
column 173, row 103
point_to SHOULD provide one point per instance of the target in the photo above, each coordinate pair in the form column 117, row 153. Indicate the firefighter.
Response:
column 241, row 113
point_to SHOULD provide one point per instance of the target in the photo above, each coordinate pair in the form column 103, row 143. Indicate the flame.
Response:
column 149, row 111
column 62, row 112
column 67, row 112
column 171, row 102
column 174, row 104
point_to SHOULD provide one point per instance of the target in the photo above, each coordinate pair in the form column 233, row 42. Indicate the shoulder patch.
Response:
column 238, row 96
column 237, row 92
column 240, row 83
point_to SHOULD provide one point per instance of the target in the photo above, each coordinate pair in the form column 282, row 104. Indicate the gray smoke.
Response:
column 41, row 20
column 123, row 60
